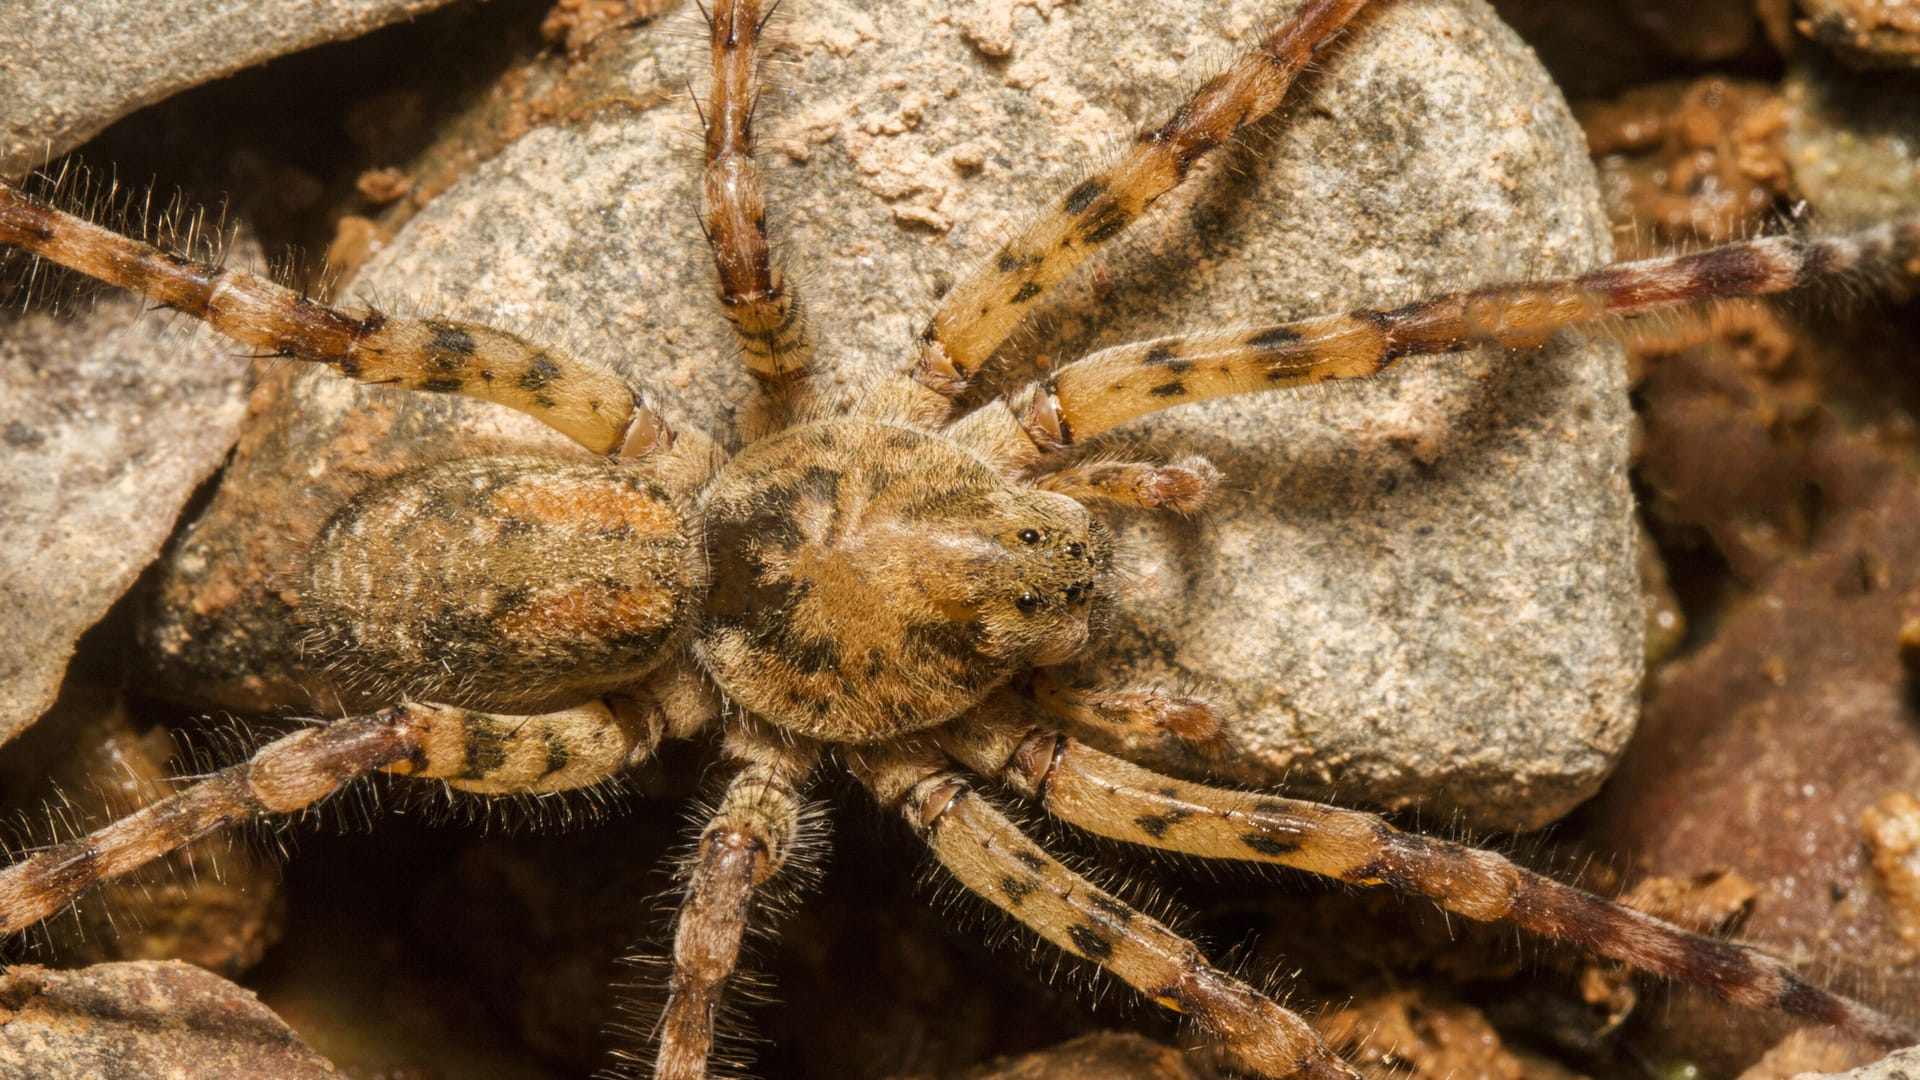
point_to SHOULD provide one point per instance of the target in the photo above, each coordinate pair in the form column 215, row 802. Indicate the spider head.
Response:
column 870, row 581
column 1036, row 584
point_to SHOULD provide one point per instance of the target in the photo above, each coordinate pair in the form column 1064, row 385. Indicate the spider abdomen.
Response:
column 510, row 584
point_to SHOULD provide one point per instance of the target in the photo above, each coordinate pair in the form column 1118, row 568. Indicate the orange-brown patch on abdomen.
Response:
column 595, row 611
column 595, row 506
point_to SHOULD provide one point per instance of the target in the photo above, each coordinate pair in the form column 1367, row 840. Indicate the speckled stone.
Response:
column 1900, row 1065
column 1866, row 33
column 163, row 1020
column 72, row 68
column 108, row 422
column 1418, row 591
column 1853, row 140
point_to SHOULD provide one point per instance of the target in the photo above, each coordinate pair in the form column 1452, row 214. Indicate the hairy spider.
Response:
column 875, row 582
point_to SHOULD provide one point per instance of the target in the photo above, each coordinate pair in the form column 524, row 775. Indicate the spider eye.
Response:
column 1028, row 603
column 1029, row 536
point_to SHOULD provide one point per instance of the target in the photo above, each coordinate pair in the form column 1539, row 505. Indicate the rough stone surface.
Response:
column 74, row 68
column 108, row 421
column 146, row 1020
column 1420, row 590
column 1854, row 140
column 1900, row 1065
column 1783, row 746
column 1866, row 33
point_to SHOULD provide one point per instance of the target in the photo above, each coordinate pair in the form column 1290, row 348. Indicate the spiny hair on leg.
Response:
column 776, row 898
column 56, row 820
column 187, row 230
column 141, row 769
column 641, row 996
column 516, row 813
column 640, row 1006
column 1090, row 857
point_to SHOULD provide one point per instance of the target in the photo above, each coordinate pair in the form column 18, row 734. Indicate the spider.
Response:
column 877, row 583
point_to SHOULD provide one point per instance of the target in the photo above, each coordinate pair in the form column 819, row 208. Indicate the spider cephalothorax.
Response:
column 957, row 577
column 875, row 577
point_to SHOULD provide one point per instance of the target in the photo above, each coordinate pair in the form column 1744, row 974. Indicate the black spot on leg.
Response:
column 1176, row 388
column 1278, row 337
column 1089, row 942
column 1027, row 291
column 1167, row 356
column 1268, row 845
column 450, row 339
column 439, row 385
column 1107, row 226
column 540, row 374
column 1017, row 889
column 1112, row 908
column 1156, row 825
column 1007, row 262
column 486, row 749
column 1175, row 997
column 1032, row 860
column 1083, row 194
column 557, row 753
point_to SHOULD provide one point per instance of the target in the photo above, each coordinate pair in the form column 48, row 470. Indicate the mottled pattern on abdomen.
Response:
column 509, row 584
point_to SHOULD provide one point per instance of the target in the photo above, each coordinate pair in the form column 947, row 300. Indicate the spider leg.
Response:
column 991, row 301
column 1182, row 487
column 575, row 396
column 1112, row 386
column 473, row 751
column 1125, row 711
column 767, row 316
column 992, row 858
column 1115, row 798
column 744, row 845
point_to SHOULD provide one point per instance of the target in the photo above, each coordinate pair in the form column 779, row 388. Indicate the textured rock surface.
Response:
column 1901, row 1065
column 1783, row 747
column 108, row 422
column 74, row 68
column 1867, row 33
column 1415, row 591
column 151, row 1020
column 1854, row 140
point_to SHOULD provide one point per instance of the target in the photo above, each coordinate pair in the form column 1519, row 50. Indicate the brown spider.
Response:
column 879, row 582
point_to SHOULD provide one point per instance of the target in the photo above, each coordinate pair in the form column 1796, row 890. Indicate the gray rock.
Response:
column 74, row 67
column 1866, row 33
column 144, row 1019
column 1853, row 140
column 1418, row 591
column 1900, row 1065
column 108, row 422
